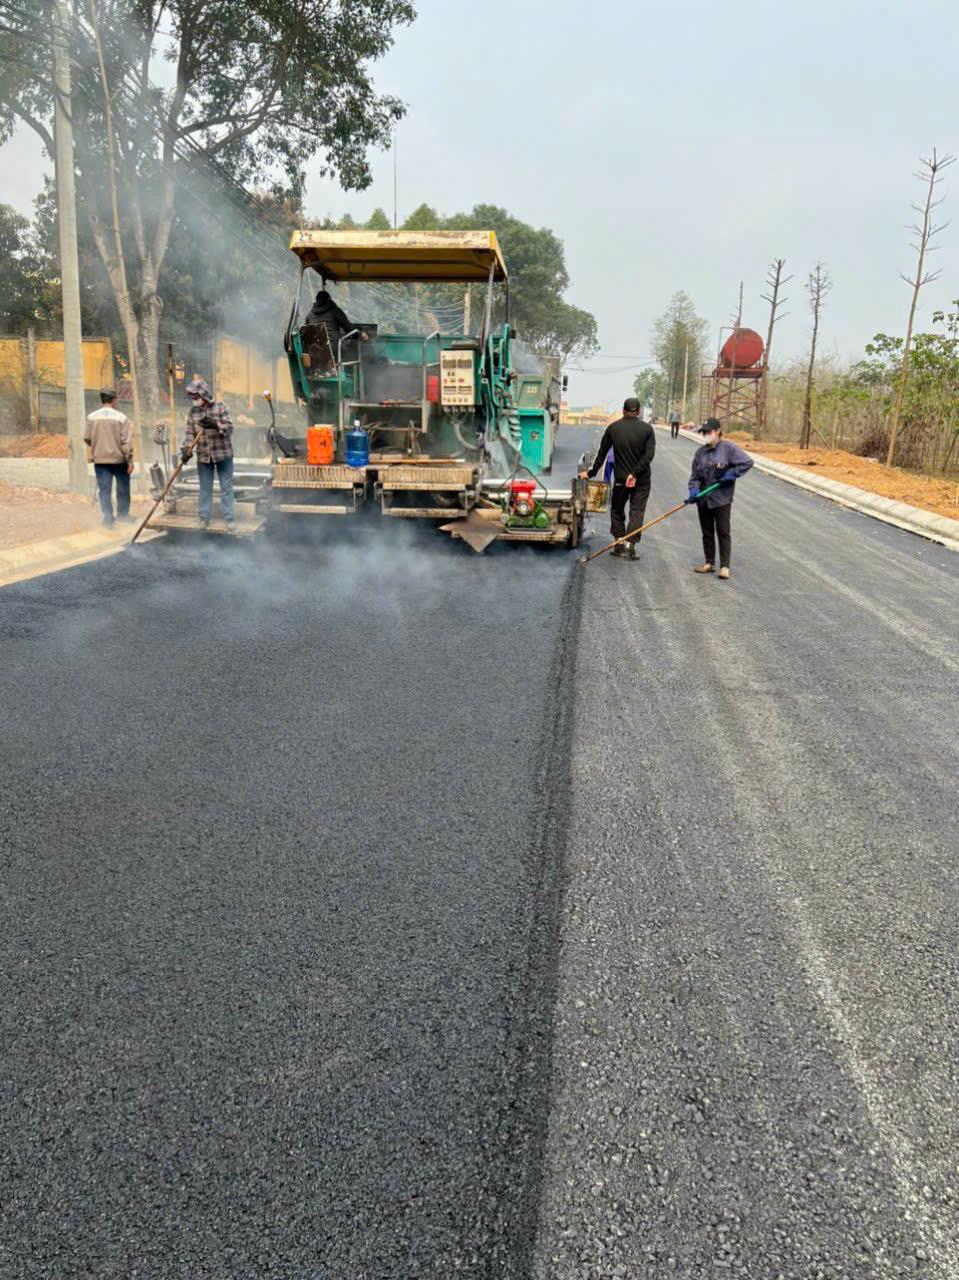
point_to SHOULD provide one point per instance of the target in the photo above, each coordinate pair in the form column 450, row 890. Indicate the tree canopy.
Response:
column 254, row 89
column 678, row 330
column 21, row 273
column 538, row 278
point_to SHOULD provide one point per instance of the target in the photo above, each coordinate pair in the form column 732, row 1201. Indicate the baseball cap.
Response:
column 711, row 424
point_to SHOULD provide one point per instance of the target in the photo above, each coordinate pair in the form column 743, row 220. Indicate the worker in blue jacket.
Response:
column 716, row 461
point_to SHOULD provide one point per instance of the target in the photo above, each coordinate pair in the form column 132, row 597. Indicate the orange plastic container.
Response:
column 319, row 446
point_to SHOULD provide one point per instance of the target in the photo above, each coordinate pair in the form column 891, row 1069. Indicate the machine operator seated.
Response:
column 325, row 325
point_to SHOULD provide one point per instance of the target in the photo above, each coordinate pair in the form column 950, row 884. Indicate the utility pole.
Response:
column 69, row 262
column 685, row 381
column 33, row 382
column 467, row 309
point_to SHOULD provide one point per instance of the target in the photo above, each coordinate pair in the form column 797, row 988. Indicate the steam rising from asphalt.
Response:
column 526, row 360
column 383, row 576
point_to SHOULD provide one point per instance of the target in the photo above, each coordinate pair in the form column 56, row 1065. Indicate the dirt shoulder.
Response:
column 926, row 492
column 35, row 515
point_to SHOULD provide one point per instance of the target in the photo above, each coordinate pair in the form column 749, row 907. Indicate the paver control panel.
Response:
column 457, row 379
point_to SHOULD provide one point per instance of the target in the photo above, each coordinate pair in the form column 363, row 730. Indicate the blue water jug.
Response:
column 357, row 447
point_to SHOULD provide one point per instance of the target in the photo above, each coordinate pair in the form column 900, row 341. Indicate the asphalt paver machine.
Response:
column 430, row 425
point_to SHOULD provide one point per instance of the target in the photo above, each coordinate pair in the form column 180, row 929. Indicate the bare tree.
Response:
column 929, row 173
column 817, row 286
column 774, row 282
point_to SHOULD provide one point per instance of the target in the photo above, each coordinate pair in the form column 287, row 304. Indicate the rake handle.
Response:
column 166, row 488
column 642, row 529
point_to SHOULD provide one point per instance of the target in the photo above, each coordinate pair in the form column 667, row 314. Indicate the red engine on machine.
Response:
column 521, row 498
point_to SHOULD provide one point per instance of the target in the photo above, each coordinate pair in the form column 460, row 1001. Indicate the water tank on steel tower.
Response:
column 741, row 350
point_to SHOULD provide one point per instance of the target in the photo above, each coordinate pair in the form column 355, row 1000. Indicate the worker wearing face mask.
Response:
column 209, row 431
column 717, row 461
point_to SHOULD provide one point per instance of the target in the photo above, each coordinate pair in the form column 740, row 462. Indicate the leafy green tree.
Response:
column 928, row 431
column 20, row 273
column 543, row 318
column 677, row 330
column 538, row 280
column 423, row 218
column 378, row 221
column 651, row 387
column 260, row 87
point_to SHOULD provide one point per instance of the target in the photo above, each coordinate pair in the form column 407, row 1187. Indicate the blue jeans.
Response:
column 224, row 469
column 106, row 473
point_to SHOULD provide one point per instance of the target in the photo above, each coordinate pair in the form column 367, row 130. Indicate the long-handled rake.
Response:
column 167, row 486
column 584, row 560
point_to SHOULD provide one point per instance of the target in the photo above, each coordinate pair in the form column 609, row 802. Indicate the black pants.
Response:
column 637, row 497
column 715, row 521
column 673, row 430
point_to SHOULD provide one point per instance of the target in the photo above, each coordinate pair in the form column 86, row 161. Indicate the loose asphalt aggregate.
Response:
column 372, row 909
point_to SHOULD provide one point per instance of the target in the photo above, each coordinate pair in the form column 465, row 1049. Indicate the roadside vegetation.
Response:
column 853, row 404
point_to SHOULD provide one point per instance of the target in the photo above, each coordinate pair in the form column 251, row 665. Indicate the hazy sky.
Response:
column 670, row 149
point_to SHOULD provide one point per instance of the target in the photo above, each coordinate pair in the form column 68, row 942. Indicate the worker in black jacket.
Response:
column 327, row 324
column 633, row 443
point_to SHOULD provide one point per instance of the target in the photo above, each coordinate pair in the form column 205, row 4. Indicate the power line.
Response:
column 627, row 368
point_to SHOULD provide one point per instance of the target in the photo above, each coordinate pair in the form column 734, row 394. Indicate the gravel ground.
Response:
column 33, row 515
column 278, row 831
column 755, row 1056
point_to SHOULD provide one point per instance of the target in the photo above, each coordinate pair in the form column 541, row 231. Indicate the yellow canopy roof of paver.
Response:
column 458, row 256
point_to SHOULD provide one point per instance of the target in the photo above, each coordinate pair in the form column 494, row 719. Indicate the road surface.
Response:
column 377, row 910
column 755, row 1057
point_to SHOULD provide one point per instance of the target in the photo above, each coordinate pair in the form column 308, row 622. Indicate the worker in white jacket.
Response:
column 109, row 438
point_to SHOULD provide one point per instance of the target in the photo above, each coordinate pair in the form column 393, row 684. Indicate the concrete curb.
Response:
column 39, row 473
column 926, row 524
column 34, row 559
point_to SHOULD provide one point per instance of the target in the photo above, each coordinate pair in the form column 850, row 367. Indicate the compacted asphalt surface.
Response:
column 372, row 909
column 756, row 1060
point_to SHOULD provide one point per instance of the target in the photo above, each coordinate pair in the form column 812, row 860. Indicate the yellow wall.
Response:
column 13, row 366
column 97, row 364
column 244, row 373
column 241, row 371
column 284, row 385
column 594, row 416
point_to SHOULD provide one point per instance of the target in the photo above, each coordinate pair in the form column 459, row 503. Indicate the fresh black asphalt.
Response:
column 278, row 864
column 374, row 910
